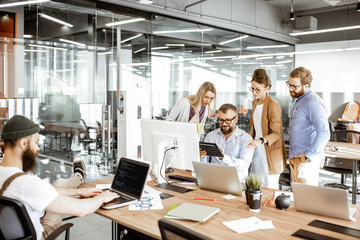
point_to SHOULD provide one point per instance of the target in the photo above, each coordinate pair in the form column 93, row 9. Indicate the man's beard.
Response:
column 230, row 130
column 29, row 160
column 297, row 94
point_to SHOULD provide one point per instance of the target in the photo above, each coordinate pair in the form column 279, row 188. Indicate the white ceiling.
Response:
column 309, row 4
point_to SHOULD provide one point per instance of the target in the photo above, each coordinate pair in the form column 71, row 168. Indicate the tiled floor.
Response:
column 84, row 227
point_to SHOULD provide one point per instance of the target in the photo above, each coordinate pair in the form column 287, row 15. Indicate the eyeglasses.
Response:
column 254, row 89
column 294, row 87
column 227, row 121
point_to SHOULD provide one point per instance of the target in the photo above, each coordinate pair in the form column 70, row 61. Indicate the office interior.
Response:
column 88, row 78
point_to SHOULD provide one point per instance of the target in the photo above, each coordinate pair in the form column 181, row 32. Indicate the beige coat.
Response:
column 271, row 126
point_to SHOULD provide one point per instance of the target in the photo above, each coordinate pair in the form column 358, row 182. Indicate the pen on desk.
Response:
column 206, row 199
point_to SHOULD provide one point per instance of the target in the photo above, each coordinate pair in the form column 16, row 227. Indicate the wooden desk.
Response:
column 348, row 152
column 286, row 222
column 65, row 127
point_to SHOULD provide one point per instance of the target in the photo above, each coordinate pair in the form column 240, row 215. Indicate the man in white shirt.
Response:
column 232, row 142
column 44, row 203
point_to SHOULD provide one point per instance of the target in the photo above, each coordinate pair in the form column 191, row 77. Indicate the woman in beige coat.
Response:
column 266, row 129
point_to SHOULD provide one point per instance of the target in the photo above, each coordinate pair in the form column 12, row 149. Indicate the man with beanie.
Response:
column 45, row 203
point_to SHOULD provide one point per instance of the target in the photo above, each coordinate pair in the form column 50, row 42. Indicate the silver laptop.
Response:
column 331, row 202
column 217, row 177
column 129, row 182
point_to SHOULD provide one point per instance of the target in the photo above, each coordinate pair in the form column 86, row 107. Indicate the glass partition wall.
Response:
column 69, row 68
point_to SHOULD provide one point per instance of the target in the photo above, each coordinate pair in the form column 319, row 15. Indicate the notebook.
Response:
column 129, row 182
column 220, row 178
column 195, row 212
column 331, row 202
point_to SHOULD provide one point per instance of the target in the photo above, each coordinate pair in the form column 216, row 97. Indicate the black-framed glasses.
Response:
column 292, row 86
column 227, row 121
column 254, row 89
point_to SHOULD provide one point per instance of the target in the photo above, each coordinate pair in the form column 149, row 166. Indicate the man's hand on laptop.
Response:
column 88, row 192
column 109, row 196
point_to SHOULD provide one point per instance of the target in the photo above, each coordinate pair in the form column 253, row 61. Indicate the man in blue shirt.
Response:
column 309, row 128
column 232, row 142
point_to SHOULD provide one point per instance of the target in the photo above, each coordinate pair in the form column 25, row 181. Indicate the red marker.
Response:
column 205, row 199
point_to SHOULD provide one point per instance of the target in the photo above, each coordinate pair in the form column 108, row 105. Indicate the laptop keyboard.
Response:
column 120, row 199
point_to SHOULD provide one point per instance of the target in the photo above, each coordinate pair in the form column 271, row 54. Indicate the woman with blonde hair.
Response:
column 192, row 108
column 266, row 129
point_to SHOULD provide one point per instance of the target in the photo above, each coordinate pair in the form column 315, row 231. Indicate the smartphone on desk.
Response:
column 212, row 149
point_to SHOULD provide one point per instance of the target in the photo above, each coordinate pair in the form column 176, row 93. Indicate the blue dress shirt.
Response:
column 309, row 127
column 235, row 149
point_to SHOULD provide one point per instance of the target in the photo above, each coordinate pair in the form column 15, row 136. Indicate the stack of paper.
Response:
column 249, row 224
column 173, row 217
column 190, row 211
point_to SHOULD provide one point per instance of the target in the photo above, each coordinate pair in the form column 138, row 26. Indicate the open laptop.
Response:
column 331, row 202
column 129, row 182
column 217, row 177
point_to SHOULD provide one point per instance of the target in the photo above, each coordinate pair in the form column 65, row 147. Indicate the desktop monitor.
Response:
column 159, row 136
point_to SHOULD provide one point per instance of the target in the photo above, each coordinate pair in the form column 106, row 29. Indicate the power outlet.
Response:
column 175, row 144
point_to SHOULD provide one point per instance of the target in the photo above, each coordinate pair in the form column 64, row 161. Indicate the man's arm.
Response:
column 79, row 207
column 82, row 192
column 243, row 160
column 318, row 118
column 203, row 156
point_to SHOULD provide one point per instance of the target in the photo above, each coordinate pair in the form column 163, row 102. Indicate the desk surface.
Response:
column 286, row 222
column 349, row 151
column 65, row 127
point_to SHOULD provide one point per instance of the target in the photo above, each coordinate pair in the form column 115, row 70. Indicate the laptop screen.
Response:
column 130, row 177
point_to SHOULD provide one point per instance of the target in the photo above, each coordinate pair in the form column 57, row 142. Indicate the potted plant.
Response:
column 253, row 182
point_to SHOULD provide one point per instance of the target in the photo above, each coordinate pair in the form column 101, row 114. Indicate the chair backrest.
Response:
column 351, row 112
column 172, row 231
column 15, row 222
column 332, row 130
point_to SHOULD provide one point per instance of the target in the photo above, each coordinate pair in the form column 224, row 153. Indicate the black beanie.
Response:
column 18, row 127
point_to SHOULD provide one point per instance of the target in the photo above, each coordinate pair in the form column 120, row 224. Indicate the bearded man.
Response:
column 232, row 142
column 45, row 203
column 309, row 128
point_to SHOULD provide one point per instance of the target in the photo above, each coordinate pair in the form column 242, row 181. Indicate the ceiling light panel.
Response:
column 22, row 3
column 234, row 39
column 125, row 22
column 55, row 20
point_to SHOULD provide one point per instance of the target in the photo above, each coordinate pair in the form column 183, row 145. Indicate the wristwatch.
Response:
column 262, row 140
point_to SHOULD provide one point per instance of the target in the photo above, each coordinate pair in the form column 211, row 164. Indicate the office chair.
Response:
column 336, row 165
column 172, row 231
column 91, row 138
column 15, row 222
column 285, row 177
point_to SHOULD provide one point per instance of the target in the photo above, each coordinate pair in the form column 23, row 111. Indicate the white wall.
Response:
column 336, row 75
column 332, row 71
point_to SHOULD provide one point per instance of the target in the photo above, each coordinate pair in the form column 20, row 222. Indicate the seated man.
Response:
column 40, row 198
column 232, row 142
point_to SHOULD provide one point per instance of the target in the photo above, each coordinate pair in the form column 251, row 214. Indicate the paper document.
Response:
column 147, row 202
column 150, row 190
column 229, row 196
column 249, row 224
column 193, row 212
column 173, row 217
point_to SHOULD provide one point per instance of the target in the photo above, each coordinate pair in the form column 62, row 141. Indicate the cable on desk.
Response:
column 162, row 164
